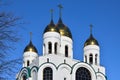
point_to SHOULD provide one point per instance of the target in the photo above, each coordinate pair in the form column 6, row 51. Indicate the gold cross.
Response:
column 51, row 13
column 91, row 26
column 30, row 35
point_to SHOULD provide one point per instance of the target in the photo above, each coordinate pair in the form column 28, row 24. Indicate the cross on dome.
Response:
column 30, row 36
column 60, row 10
column 91, row 26
column 51, row 11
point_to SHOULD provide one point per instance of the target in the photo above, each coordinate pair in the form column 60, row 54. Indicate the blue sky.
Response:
column 77, row 15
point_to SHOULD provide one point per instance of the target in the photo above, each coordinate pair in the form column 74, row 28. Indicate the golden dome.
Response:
column 91, row 41
column 51, row 27
column 64, row 30
column 30, row 48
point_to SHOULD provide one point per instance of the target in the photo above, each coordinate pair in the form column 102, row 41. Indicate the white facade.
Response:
column 57, row 61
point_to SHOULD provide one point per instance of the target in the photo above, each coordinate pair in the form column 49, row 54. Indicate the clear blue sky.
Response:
column 77, row 15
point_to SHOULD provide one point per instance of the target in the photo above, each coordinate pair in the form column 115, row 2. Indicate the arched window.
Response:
column 64, row 78
column 28, row 63
column 83, row 74
column 44, row 48
column 47, row 74
column 49, row 47
column 66, row 51
column 85, row 58
column 24, row 77
column 91, row 59
column 96, row 59
column 55, row 48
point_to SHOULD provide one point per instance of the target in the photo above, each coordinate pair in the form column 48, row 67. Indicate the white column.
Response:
column 46, row 49
column 93, row 58
column 53, row 50
column 87, row 58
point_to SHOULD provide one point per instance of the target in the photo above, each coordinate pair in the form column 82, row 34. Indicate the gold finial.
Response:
column 91, row 26
column 60, row 10
column 51, row 13
column 30, row 35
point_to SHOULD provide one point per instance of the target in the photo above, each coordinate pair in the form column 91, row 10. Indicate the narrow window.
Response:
column 55, row 48
column 91, row 59
column 24, row 78
column 44, row 49
column 66, row 51
column 49, row 47
column 64, row 78
column 47, row 74
column 85, row 58
column 34, row 73
column 28, row 63
column 96, row 59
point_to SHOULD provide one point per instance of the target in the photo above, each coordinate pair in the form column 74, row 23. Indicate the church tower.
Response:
column 51, row 38
column 30, row 53
column 91, row 50
column 57, row 38
column 66, row 48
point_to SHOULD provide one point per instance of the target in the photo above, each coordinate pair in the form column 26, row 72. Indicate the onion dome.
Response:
column 51, row 27
column 30, row 48
column 91, row 41
column 63, row 29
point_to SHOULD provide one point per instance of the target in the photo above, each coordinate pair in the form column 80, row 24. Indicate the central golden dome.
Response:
column 51, row 27
column 91, row 41
column 59, row 27
column 64, row 30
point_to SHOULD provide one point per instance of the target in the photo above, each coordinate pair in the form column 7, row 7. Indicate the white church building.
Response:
column 57, row 61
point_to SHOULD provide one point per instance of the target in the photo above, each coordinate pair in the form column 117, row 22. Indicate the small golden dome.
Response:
column 91, row 41
column 30, row 48
column 51, row 28
column 64, row 30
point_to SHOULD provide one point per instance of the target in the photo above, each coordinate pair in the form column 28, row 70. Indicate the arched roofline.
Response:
column 83, row 66
column 66, row 65
column 24, row 70
column 97, row 73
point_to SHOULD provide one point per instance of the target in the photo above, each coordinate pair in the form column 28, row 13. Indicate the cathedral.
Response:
column 56, row 62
